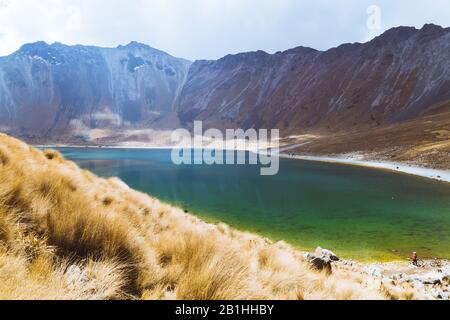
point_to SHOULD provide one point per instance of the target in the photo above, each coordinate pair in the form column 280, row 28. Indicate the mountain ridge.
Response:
column 55, row 91
column 86, row 87
column 303, row 67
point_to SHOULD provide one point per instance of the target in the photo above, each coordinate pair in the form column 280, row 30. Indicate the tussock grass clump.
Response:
column 67, row 234
column 4, row 156
column 52, row 154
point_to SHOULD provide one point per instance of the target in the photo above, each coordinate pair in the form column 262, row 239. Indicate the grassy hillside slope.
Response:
column 67, row 234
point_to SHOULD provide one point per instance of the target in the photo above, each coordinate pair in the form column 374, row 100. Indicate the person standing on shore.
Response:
column 414, row 259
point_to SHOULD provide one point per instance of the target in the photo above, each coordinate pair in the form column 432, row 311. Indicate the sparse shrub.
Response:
column 7, row 227
column 4, row 156
column 107, row 201
column 52, row 154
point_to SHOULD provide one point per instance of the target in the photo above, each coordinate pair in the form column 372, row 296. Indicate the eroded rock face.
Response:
column 402, row 74
column 48, row 90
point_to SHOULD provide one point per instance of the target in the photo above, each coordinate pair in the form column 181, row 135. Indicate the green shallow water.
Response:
column 359, row 213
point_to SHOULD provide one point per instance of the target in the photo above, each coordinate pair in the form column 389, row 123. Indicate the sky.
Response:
column 210, row 29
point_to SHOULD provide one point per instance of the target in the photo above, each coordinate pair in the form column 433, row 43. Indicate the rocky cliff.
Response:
column 50, row 91
column 402, row 74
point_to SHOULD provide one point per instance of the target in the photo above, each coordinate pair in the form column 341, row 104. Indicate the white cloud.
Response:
column 206, row 28
column 73, row 18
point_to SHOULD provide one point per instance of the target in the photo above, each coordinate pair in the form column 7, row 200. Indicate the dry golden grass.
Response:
column 421, row 141
column 67, row 234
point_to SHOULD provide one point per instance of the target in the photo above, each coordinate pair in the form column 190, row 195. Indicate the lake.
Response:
column 360, row 213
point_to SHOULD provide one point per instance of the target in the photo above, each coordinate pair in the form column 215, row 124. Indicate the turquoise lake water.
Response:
column 358, row 212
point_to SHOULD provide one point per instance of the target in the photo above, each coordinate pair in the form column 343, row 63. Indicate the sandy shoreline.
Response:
column 435, row 174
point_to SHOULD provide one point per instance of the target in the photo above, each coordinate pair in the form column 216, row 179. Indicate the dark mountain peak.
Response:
column 250, row 58
column 58, row 44
column 38, row 45
column 258, row 53
column 398, row 34
column 300, row 50
column 343, row 49
column 42, row 50
column 58, row 53
column 395, row 35
column 430, row 32
column 430, row 27
column 137, row 48
column 136, row 45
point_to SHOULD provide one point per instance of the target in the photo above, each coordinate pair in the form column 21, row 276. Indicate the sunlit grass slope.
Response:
column 67, row 234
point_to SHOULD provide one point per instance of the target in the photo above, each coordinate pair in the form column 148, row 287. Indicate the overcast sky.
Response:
column 209, row 29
